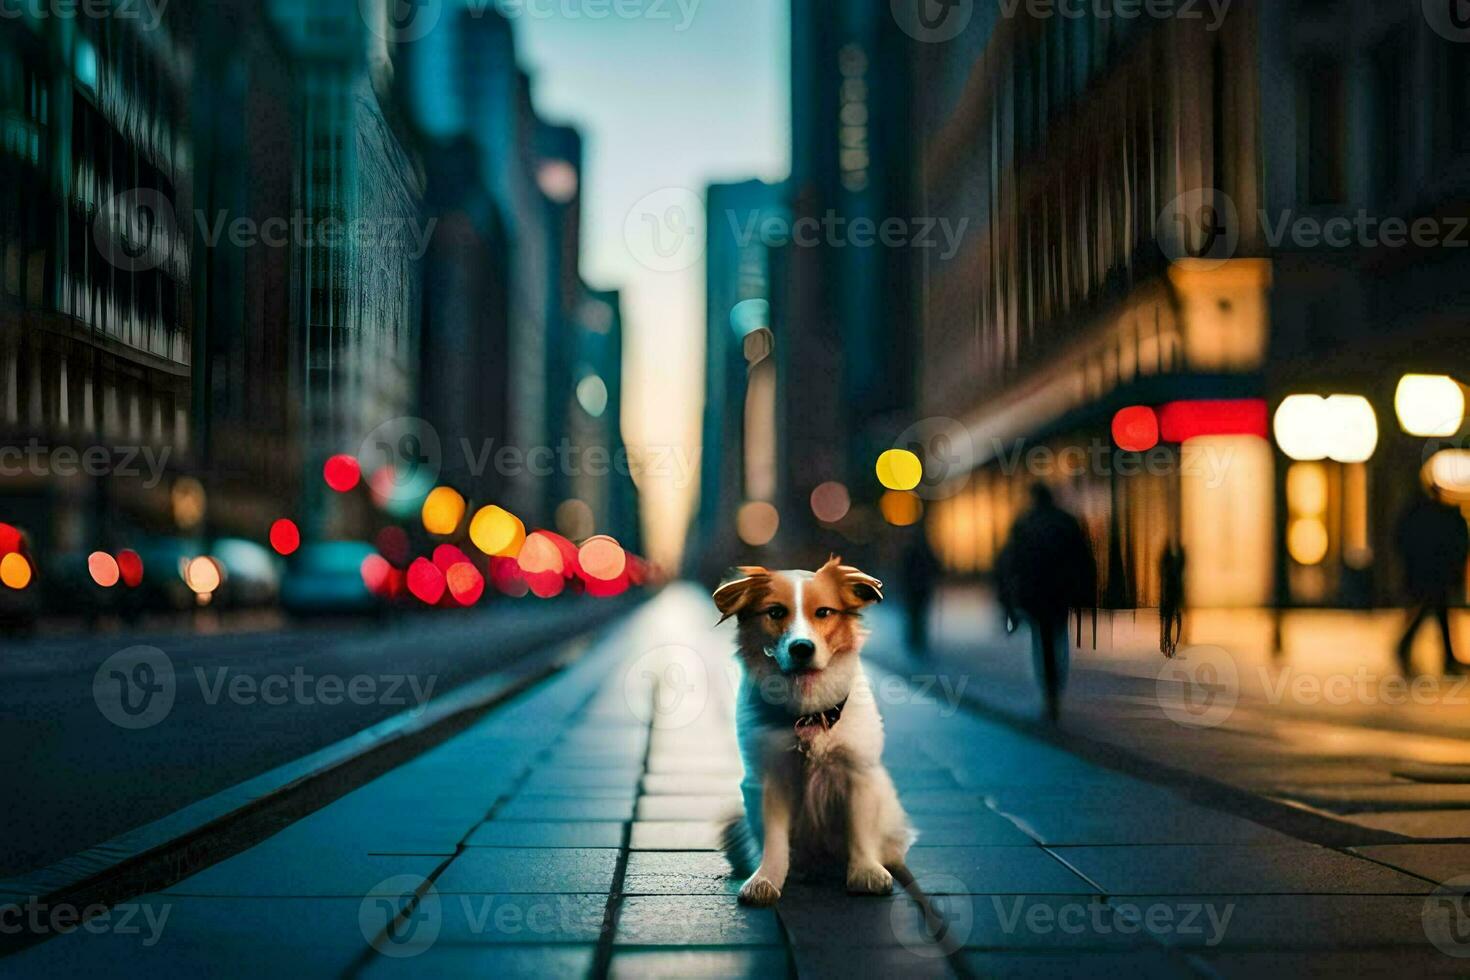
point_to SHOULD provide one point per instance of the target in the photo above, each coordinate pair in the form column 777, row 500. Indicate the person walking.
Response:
column 921, row 572
column 1046, row 569
column 1433, row 545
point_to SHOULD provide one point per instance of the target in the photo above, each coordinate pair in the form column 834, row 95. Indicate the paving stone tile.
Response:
column 526, row 833
column 1302, row 922
column 1437, row 862
column 624, row 778
column 535, row 919
column 687, row 807
column 1082, row 823
column 948, row 830
column 690, row 784
column 679, row 873
column 880, row 963
column 699, row 964
column 287, row 869
column 670, row 835
column 1143, row 964
column 712, row 764
column 215, row 937
column 454, row 962
column 1389, row 963
column 495, row 870
column 548, row 808
column 1234, row 869
column 700, row 920
column 993, row 871
column 943, row 801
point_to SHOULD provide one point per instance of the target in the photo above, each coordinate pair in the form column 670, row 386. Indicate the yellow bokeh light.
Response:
column 443, row 510
column 1306, row 489
column 1430, row 405
column 15, row 571
column 497, row 532
column 899, row 469
column 1352, row 430
column 757, row 523
column 901, row 509
column 1306, row 540
column 1449, row 470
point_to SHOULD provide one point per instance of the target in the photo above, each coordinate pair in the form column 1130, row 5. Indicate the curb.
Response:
column 163, row 852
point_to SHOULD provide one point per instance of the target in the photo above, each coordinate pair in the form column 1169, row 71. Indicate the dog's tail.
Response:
column 739, row 845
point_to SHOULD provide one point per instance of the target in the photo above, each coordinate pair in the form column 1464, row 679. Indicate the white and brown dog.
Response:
column 810, row 735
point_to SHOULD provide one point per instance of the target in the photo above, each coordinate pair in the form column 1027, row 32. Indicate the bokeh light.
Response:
column 426, row 581
column 601, row 557
column 202, row 575
column 103, row 569
column 9, row 539
column 342, row 472
column 1306, row 540
column 285, row 536
column 757, row 523
column 496, row 531
column 543, row 564
column 15, row 571
column 1341, row 427
column 574, row 519
column 901, row 509
column 899, row 469
column 1306, row 489
column 592, row 395
column 377, row 574
column 506, row 576
column 831, row 502
column 1352, row 434
column 130, row 567
column 1449, row 470
column 187, row 499
column 466, row 584
column 443, row 511
column 392, row 544
column 1429, row 405
column 446, row 556
column 1136, row 429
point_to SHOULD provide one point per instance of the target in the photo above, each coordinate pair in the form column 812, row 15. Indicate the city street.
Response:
column 242, row 703
column 572, row 831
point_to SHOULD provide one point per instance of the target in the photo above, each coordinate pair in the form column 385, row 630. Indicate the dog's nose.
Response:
column 802, row 649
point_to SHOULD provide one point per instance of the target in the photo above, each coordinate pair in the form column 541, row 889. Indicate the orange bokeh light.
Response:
column 103, row 569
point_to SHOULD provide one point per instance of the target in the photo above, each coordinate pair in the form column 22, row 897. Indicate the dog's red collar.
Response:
column 820, row 720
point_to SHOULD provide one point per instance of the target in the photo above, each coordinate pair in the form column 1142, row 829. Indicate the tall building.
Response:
column 97, row 330
column 845, row 347
column 740, row 464
column 1136, row 265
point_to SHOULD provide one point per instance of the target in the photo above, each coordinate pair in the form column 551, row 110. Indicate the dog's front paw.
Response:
column 869, row 880
column 759, row 891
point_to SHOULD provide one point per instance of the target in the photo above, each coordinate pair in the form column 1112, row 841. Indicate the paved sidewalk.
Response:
column 572, row 833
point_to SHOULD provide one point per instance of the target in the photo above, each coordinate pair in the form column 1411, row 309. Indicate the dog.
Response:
column 810, row 735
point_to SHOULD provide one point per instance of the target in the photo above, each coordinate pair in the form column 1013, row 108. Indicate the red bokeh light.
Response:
column 9, row 539
column 446, row 556
column 130, row 565
column 466, row 584
column 1182, row 421
column 342, row 473
column 377, row 574
column 285, row 536
column 1136, row 429
column 426, row 581
column 103, row 569
column 506, row 576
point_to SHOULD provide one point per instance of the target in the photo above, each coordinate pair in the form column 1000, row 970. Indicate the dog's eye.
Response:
column 776, row 612
column 824, row 612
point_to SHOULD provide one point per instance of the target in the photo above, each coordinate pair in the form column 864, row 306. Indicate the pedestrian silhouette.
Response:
column 920, row 577
column 1433, row 544
column 1046, row 569
column 1171, row 599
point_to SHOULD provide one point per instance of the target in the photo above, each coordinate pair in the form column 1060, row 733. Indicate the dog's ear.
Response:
column 857, row 586
column 741, row 588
